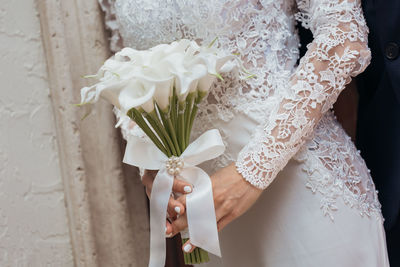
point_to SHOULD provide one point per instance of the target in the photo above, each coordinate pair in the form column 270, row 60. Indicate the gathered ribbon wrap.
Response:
column 202, row 225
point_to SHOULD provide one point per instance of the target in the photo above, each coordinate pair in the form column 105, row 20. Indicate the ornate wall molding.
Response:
column 105, row 203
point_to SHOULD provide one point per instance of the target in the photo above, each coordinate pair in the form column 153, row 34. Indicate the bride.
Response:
column 291, row 188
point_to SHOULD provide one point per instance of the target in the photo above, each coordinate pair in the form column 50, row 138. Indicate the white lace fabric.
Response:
column 338, row 52
column 289, row 103
column 350, row 181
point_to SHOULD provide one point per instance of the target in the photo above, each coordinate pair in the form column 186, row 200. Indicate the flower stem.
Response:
column 160, row 129
column 166, row 119
column 136, row 116
column 198, row 255
column 197, row 101
column 192, row 116
column 173, row 110
column 181, row 125
column 189, row 104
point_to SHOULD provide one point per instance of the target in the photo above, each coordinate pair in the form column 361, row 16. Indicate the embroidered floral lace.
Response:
column 291, row 104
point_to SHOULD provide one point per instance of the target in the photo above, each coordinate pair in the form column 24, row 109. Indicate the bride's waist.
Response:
column 235, row 132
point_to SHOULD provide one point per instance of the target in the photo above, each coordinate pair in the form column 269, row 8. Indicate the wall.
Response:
column 33, row 222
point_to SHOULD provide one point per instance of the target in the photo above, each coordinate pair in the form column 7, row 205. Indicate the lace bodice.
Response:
column 287, row 101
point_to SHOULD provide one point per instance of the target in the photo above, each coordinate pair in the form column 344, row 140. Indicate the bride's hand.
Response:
column 233, row 196
column 174, row 206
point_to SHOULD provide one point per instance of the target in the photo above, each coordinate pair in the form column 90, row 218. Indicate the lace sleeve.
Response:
column 338, row 52
column 111, row 24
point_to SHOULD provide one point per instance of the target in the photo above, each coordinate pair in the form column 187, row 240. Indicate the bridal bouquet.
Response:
column 160, row 90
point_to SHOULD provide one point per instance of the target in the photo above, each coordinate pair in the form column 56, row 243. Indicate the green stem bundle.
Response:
column 188, row 110
column 170, row 132
column 198, row 255
column 136, row 116
column 173, row 110
column 200, row 96
column 166, row 119
column 160, row 130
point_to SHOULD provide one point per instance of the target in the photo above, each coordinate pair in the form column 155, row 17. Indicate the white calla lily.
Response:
column 127, row 52
column 137, row 95
column 206, row 82
column 163, row 89
column 107, row 89
column 186, row 75
column 213, row 63
column 214, row 59
column 163, row 93
column 174, row 47
column 163, row 80
column 187, row 82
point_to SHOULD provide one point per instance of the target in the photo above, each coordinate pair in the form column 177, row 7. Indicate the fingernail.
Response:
column 187, row 248
column 177, row 210
column 168, row 235
column 187, row 189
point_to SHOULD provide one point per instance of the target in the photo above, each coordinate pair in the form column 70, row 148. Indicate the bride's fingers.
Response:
column 175, row 207
column 179, row 224
column 182, row 187
column 168, row 229
column 178, row 186
column 219, row 213
column 224, row 221
column 188, row 247
column 223, row 209
column 182, row 200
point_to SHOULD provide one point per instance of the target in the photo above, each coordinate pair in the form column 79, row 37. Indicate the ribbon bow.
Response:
column 200, row 210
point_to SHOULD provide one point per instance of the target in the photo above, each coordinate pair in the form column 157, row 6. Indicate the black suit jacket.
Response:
column 378, row 127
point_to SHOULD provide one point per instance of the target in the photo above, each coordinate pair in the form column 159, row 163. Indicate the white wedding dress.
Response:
column 319, row 207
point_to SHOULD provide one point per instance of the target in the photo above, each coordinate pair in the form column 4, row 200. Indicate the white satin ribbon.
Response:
column 200, row 211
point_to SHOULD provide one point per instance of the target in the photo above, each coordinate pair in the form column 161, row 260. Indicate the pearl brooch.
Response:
column 174, row 165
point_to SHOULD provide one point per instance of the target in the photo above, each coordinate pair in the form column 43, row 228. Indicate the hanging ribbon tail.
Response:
column 144, row 154
column 200, row 211
column 160, row 193
column 202, row 222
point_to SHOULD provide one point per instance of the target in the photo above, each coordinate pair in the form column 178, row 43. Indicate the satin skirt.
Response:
column 287, row 228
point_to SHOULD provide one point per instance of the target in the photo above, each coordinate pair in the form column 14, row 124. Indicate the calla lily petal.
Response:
column 187, row 81
column 135, row 95
column 206, row 82
column 163, row 92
